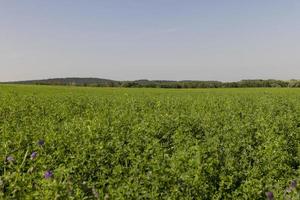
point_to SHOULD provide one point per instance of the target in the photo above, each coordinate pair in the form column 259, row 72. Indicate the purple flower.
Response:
column 270, row 195
column 10, row 159
column 293, row 184
column 41, row 142
column 48, row 174
column 33, row 155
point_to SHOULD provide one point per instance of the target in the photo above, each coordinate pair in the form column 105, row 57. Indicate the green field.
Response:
column 117, row 143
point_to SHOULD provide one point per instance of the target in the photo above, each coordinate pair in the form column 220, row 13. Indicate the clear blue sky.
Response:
column 153, row 39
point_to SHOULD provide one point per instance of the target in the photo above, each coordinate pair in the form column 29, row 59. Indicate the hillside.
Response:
column 69, row 81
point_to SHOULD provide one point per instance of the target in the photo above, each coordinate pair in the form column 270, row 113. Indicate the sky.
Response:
column 150, row 39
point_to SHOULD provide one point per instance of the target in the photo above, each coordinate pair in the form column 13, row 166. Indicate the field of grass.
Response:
column 113, row 143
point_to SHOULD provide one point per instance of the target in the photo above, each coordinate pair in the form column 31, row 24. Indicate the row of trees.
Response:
column 211, row 84
column 95, row 82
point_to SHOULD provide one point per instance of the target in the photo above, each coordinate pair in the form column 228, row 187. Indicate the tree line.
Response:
column 96, row 82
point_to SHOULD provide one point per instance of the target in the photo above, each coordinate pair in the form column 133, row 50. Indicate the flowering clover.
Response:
column 48, row 175
column 293, row 184
column 33, row 155
column 41, row 143
column 10, row 159
column 270, row 195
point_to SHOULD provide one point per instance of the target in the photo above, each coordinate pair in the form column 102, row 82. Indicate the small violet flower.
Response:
column 41, row 143
column 33, row 155
column 48, row 175
column 10, row 159
column 270, row 195
column 293, row 184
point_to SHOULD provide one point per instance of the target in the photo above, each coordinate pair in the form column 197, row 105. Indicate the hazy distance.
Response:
column 158, row 39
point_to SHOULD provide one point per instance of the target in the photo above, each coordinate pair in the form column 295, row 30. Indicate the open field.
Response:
column 117, row 143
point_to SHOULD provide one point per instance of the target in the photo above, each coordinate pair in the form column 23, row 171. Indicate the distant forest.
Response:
column 97, row 82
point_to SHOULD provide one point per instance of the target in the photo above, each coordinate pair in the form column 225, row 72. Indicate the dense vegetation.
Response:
column 96, row 82
column 114, row 143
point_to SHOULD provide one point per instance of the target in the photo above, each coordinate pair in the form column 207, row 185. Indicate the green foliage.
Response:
column 114, row 143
